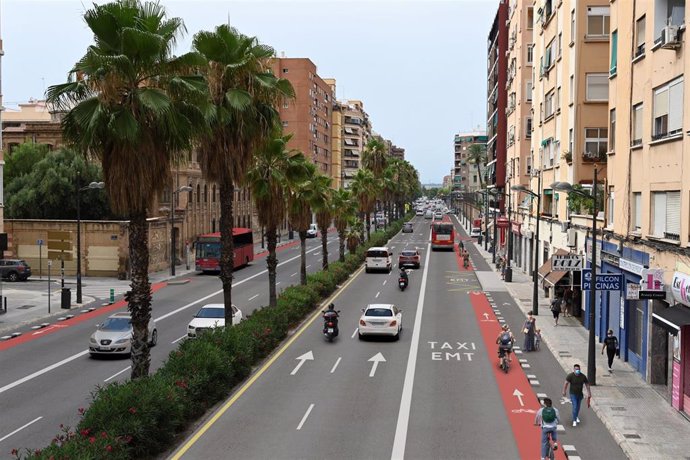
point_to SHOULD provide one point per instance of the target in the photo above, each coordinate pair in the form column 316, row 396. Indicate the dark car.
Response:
column 14, row 269
column 408, row 228
column 409, row 258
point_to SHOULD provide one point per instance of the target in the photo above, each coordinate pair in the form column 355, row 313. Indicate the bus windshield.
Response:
column 443, row 229
column 208, row 250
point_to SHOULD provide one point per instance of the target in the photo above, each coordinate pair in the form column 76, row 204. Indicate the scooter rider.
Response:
column 331, row 314
column 403, row 275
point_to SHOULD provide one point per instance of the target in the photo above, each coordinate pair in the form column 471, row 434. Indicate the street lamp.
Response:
column 591, row 352
column 91, row 186
column 535, row 270
column 184, row 188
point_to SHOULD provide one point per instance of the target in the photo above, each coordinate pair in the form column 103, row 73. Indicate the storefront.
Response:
column 517, row 244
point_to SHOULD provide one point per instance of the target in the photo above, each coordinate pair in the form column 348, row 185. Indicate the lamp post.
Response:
column 173, row 196
column 486, row 218
column 91, row 186
column 591, row 351
column 535, row 257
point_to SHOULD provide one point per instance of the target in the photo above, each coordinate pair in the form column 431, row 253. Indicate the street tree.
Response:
column 365, row 189
column 344, row 211
column 301, row 193
column 321, row 203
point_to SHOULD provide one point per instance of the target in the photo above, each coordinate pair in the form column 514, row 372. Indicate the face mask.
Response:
column 577, row 371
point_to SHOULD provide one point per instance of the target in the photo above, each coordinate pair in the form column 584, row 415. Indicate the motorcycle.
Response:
column 402, row 283
column 330, row 324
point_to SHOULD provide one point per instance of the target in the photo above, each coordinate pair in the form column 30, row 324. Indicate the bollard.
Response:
column 66, row 299
column 112, row 295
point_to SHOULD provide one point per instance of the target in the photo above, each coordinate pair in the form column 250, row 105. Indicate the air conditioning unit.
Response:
column 670, row 38
column 572, row 238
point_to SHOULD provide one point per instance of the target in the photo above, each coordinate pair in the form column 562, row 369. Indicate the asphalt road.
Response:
column 438, row 394
column 45, row 380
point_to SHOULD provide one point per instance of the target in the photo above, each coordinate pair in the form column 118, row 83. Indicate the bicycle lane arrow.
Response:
column 519, row 400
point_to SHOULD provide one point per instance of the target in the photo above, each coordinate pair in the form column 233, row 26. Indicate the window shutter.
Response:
column 673, row 213
column 675, row 110
column 637, row 223
column 660, row 103
column 614, row 51
column 659, row 210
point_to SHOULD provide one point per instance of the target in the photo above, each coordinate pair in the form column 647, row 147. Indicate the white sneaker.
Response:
column 578, row 420
column 574, row 423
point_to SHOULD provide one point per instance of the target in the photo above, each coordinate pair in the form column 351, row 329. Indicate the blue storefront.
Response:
column 627, row 318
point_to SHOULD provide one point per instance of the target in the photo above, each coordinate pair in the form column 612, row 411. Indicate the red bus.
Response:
column 442, row 234
column 208, row 249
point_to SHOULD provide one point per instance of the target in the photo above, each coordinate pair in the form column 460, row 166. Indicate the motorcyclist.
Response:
column 403, row 275
column 331, row 314
column 505, row 341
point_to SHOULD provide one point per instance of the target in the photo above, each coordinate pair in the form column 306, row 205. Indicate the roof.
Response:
column 378, row 248
column 235, row 231
column 380, row 305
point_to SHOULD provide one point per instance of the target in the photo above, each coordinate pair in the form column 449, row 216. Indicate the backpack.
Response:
column 505, row 338
column 548, row 415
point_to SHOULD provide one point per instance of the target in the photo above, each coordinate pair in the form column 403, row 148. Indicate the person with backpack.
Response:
column 505, row 342
column 548, row 418
column 611, row 347
column 556, row 309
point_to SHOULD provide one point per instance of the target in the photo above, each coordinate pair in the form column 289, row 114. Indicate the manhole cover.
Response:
column 630, row 392
column 632, row 436
column 25, row 307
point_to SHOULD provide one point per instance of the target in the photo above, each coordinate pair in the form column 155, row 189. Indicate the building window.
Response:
column 665, row 12
column 549, row 106
column 205, row 193
column 528, row 128
column 614, row 53
column 560, row 44
column 637, row 211
column 639, row 36
column 286, row 104
column 598, row 18
column 530, row 17
column 666, row 215
column 610, row 205
column 285, row 123
column 558, row 99
column 612, row 130
column 571, row 89
column 597, row 87
column 572, row 26
column 637, row 124
column 668, row 109
column 285, row 70
column 198, row 193
column 528, row 91
column 547, row 205
column 530, row 53
column 571, row 146
column 596, row 143
column 213, row 194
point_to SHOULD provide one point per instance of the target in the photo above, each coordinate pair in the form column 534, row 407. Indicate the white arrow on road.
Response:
column 54, row 326
column 486, row 316
column 519, row 396
column 376, row 359
column 308, row 356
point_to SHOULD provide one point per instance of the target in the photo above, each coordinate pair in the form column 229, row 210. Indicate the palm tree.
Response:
column 273, row 169
column 344, row 210
column 125, row 104
column 322, row 205
column 354, row 234
column 477, row 157
column 365, row 189
column 241, row 115
column 375, row 156
column 299, row 212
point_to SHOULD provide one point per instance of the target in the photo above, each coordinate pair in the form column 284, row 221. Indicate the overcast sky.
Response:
column 418, row 66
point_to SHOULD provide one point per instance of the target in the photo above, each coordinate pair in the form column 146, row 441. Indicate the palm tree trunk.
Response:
column 368, row 221
column 272, row 264
column 139, row 297
column 227, row 248
column 341, row 245
column 303, row 257
column 324, row 248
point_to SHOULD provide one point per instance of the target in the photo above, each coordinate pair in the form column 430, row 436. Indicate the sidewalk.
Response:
column 27, row 302
column 642, row 422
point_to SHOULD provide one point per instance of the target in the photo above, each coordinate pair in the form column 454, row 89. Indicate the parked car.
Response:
column 211, row 316
column 380, row 319
column 14, row 269
column 409, row 257
column 475, row 232
column 313, row 231
column 114, row 336
column 408, row 228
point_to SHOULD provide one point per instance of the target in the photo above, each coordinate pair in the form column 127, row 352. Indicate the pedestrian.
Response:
column 556, row 309
column 537, row 339
column 611, row 347
column 528, row 330
column 567, row 302
column 548, row 418
column 577, row 380
column 503, row 268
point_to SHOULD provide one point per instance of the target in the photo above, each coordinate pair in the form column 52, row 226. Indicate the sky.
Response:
column 418, row 66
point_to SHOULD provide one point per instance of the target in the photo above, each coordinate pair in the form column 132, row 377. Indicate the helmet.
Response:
column 506, row 327
column 332, row 306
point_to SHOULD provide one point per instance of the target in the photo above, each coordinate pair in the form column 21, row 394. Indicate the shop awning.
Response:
column 552, row 277
column 672, row 318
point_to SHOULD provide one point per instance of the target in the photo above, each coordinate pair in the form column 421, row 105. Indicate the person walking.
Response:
column 548, row 419
column 568, row 300
column 611, row 347
column 528, row 329
column 556, row 309
column 577, row 380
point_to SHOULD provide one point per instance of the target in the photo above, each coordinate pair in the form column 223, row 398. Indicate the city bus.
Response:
column 442, row 234
column 208, row 250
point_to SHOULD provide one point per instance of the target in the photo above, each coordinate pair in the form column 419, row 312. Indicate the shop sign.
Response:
column 516, row 228
column 589, row 252
column 630, row 266
column 622, row 313
column 502, row 222
column 680, row 287
column 609, row 258
column 632, row 292
column 604, row 281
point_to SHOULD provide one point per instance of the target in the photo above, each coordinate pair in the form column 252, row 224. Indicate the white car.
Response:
column 475, row 232
column 313, row 231
column 420, row 212
column 210, row 317
column 114, row 336
column 380, row 319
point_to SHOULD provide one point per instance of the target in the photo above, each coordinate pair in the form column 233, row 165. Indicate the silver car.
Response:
column 114, row 335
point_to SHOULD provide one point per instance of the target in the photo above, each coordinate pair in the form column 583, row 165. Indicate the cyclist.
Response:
column 548, row 418
column 505, row 341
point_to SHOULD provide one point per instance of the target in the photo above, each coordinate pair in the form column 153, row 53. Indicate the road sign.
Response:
column 60, row 255
column 60, row 236
column 39, row 242
column 566, row 263
column 604, row 282
column 60, row 245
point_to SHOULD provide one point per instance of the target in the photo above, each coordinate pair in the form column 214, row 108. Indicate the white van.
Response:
column 378, row 259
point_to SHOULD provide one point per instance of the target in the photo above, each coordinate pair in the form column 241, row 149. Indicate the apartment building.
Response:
column 397, row 152
column 308, row 116
column 466, row 175
column 2, row 150
column 356, row 133
column 336, row 138
column 647, row 226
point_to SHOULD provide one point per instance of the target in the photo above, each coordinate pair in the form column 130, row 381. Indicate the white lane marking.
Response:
column 177, row 340
column 38, row 373
column 252, row 297
column 278, row 283
column 317, row 253
column 21, row 428
column 308, row 266
column 304, row 419
column 294, row 274
column 378, row 294
column 406, row 399
column 115, row 375
column 384, row 282
column 354, row 333
column 336, row 364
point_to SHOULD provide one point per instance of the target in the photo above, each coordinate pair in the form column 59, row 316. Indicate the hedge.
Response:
column 142, row 418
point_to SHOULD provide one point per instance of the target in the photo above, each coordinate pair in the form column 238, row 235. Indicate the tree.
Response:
column 477, row 157
column 22, row 160
column 125, row 103
column 273, row 169
column 375, row 156
column 321, row 202
column 365, row 189
column 47, row 191
column 299, row 212
column 241, row 114
column 344, row 211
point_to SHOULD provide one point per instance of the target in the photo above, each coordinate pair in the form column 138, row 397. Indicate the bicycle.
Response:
column 550, row 451
column 503, row 356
